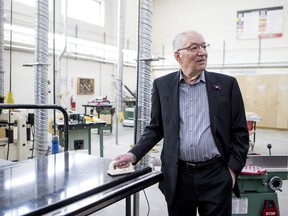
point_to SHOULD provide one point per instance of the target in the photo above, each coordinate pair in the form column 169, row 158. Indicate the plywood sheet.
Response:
column 282, row 102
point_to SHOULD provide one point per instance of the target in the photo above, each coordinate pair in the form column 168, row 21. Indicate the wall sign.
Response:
column 260, row 23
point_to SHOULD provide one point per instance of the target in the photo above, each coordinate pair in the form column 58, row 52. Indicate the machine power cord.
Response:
column 148, row 205
column 33, row 138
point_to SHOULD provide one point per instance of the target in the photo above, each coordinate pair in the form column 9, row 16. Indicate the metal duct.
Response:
column 144, row 65
column 119, row 75
column 1, row 51
column 41, row 77
column 60, row 56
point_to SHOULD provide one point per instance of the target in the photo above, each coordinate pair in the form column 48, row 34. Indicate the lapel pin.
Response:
column 216, row 87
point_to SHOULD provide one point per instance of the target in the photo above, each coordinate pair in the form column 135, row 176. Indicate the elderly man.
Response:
column 201, row 117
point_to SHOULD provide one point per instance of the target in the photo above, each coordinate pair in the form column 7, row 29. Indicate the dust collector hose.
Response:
column 144, row 64
column 41, row 76
column 1, row 51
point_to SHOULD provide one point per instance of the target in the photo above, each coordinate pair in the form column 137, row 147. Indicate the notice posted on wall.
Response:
column 260, row 23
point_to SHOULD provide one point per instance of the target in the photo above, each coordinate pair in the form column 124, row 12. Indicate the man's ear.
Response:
column 177, row 56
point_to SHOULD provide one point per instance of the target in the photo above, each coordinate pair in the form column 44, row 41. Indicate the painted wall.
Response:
column 260, row 66
column 22, row 82
column 217, row 23
column 22, row 85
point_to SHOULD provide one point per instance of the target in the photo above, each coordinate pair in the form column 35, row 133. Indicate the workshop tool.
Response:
column 40, row 106
column 259, row 182
column 113, row 170
column 129, row 112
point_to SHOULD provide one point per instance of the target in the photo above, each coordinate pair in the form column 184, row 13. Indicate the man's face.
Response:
column 193, row 55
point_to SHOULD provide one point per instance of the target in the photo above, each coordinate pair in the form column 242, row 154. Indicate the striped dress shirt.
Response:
column 196, row 140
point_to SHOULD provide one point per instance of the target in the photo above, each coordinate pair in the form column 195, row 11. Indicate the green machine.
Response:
column 258, row 188
column 129, row 110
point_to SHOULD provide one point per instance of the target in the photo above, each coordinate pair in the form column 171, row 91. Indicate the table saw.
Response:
column 259, row 189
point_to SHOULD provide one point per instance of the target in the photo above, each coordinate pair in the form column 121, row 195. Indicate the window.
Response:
column 32, row 3
column 90, row 11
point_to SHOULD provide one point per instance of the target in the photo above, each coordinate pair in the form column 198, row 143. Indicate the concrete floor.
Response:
column 156, row 202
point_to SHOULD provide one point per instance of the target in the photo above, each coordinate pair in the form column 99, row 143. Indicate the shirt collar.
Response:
column 201, row 78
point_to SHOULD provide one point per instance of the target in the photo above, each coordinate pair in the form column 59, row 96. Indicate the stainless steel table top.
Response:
column 44, row 184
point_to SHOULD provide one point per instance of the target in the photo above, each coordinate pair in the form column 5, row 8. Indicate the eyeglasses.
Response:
column 195, row 48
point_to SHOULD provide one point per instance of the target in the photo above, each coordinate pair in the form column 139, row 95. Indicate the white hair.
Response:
column 178, row 41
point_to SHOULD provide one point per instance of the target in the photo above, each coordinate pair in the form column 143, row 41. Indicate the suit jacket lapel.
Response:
column 173, row 88
column 213, row 94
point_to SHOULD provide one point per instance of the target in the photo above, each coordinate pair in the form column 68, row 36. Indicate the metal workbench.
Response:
column 81, row 132
column 67, row 183
column 100, row 108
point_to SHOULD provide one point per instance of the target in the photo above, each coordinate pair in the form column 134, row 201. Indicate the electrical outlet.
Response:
column 78, row 144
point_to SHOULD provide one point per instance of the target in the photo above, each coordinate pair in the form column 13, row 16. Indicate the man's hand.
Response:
column 233, row 176
column 123, row 160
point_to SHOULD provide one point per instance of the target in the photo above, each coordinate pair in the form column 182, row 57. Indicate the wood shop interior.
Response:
column 75, row 91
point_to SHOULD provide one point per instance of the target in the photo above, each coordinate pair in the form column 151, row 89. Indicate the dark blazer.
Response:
column 228, row 124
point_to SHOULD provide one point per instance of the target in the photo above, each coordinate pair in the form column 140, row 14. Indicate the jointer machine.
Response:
column 260, row 182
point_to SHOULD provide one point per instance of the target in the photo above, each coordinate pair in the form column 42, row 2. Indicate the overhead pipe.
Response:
column 259, row 52
column 41, row 77
column 60, row 56
column 1, row 51
column 54, row 64
column 224, row 53
column 10, row 95
column 119, row 75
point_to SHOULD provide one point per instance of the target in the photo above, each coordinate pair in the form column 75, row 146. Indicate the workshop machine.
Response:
column 104, row 111
column 259, row 182
column 15, row 134
column 129, row 112
column 129, row 109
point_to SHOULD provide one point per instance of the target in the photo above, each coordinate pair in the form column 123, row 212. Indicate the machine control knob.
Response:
column 269, row 146
column 275, row 183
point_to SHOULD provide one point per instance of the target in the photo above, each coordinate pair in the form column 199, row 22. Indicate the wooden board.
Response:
column 267, row 96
